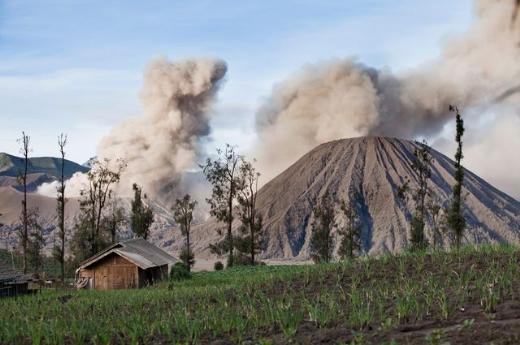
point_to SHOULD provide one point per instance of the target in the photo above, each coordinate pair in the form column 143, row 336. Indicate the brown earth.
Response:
column 466, row 324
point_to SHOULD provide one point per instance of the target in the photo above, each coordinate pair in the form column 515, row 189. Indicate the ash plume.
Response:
column 74, row 185
column 159, row 146
column 344, row 98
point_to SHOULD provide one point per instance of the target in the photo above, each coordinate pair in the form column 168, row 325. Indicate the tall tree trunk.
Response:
column 456, row 218
column 188, row 247
column 253, row 246
column 98, row 227
column 252, row 231
column 231, row 259
column 62, row 214
column 24, row 203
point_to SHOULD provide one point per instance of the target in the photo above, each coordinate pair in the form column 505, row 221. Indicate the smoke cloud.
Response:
column 164, row 142
column 344, row 98
column 74, row 185
column 476, row 71
column 161, row 146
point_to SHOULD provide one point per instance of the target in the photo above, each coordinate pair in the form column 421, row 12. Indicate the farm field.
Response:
column 414, row 298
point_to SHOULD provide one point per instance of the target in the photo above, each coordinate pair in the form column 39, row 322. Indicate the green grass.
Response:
column 367, row 298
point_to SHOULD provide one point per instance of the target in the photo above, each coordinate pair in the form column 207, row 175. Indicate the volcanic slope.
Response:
column 370, row 170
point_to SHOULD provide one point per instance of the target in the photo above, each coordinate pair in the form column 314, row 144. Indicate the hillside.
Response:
column 12, row 166
column 40, row 170
column 372, row 168
column 10, row 208
column 11, row 201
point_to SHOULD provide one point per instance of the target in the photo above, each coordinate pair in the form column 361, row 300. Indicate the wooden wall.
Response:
column 112, row 272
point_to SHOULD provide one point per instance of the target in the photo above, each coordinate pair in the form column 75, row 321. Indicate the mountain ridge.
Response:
column 11, row 166
column 372, row 168
column 40, row 170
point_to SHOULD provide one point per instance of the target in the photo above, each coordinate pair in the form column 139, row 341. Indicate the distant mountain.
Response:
column 46, row 169
column 12, row 166
column 40, row 170
column 371, row 169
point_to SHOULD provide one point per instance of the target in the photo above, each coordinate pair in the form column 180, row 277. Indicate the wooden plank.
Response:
column 115, row 272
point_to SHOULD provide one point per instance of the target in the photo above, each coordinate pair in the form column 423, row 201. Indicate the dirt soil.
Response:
column 469, row 324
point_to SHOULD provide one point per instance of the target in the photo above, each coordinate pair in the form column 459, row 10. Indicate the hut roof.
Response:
column 138, row 251
column 9, row 274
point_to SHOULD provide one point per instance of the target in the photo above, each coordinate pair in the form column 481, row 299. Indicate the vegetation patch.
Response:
column 414, row 298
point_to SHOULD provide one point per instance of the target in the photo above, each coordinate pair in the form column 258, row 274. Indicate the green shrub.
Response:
column 179, row 272
column 219, row 266
column 242, row 260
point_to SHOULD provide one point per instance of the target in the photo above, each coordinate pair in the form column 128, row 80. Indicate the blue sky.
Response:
column 76, row 66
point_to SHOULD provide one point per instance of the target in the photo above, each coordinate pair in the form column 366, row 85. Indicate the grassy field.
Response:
column 425, row 298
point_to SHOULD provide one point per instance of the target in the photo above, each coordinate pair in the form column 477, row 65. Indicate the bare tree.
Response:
column 251, row 219
column 101, row 178
column 59, row 247
column 24, row 141
column 89, row 235
column 223, row 174
column 183, row 214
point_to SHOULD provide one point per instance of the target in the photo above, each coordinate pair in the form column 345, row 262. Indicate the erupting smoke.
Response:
column 344, row 98
column 164, row 142
column 73, row 188
column 476, row 71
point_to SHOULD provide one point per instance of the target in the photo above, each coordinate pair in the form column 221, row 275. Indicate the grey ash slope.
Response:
column 372, row 168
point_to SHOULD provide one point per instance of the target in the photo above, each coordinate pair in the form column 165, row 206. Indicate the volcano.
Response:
column 370, row 170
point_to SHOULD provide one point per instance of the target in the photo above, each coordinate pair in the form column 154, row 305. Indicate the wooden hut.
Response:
column 12, row 282
column 125, row 265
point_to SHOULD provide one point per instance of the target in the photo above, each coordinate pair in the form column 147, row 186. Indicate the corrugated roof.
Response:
column 138, row 251
column 99, row 255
